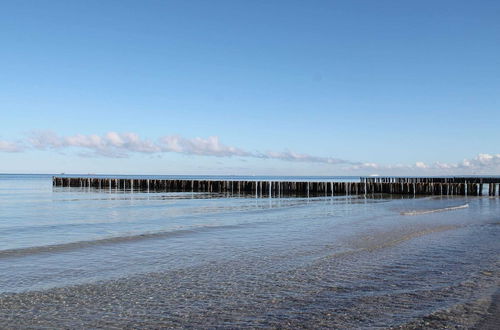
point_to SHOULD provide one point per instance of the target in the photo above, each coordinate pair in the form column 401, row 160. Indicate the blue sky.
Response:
column 250, row 87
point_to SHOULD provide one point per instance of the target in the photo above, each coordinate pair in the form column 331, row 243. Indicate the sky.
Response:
column 250, row 87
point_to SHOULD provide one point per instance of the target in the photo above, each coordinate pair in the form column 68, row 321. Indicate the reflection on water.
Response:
column 240, row 260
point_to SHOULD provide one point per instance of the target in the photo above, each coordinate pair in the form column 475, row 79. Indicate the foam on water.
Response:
column 444, row 209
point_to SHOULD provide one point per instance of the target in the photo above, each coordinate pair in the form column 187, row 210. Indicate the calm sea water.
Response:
column 348, row 261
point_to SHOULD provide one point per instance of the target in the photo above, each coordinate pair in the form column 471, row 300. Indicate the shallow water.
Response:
column 199, row 259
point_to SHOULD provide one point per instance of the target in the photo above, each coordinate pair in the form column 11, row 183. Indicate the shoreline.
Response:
column 480, row 314
column 492, row 318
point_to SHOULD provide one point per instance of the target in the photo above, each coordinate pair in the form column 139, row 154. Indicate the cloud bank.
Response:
column 121, row 145
column 298, row 157
column 482, row 163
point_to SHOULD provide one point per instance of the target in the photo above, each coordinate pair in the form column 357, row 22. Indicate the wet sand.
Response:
column 482, row 314
column 491, row 319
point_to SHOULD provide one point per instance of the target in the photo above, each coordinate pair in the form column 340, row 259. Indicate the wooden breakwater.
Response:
column 473, row 186
column 367, row 185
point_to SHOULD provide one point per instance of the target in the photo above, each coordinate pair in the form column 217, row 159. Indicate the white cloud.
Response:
column 44, row 140
column 363, row 166
column 298, row 157
column 482, row 163
column 443, row 166
column 210, row 146
column 112, row 144
column 119, row 145
column 421, row 165
column 7, row 146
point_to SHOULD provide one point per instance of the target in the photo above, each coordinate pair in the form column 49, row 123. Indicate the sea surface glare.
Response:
column 84, row 257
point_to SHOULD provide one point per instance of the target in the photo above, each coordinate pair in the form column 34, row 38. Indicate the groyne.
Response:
column 366, row 185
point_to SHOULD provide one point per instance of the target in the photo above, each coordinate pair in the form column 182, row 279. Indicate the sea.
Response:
column 108, row 258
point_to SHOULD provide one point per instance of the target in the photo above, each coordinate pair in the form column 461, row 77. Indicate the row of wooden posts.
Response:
column 458, row 179
column 284, row 188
